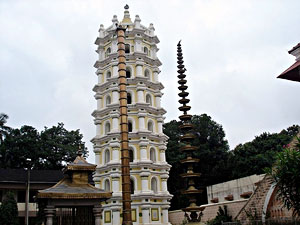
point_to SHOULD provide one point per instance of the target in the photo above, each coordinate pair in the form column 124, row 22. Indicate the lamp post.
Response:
column 27, row 192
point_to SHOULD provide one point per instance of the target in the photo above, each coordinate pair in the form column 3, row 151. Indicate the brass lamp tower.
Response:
column 195, row 212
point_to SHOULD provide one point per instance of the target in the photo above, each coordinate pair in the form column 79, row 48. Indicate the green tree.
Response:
column 254, row 156
column 51, row 148
column 212, row 151
column 9, row 210
column 59, row 146
column 4, row 130
column 222, row 216
column 286, row 173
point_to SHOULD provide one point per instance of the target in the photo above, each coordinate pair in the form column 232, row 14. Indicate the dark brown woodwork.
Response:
column 125, row 168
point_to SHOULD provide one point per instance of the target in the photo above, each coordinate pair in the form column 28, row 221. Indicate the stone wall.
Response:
column 253, row 209
column 176, row 217
column 233, row 189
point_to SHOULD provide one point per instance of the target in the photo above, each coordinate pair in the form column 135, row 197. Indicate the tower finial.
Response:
column 79, row 152
column 126, row 20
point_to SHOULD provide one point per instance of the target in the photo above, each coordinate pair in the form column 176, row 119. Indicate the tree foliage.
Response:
column 222, row 216
column 255, row 156
column 286, row 173
column 217, row 163
column 212, row 152
column 48, row 149
column 9, row 210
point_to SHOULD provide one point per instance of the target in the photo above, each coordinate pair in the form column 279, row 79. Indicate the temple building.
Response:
column 147, row 143
column 293, row 72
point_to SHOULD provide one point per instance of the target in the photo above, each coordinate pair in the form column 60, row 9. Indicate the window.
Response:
column 148, row 99
column 152, row 155
column 131, row 156
column 146, row 51
column 154, row 184
column 128, row 72
column 108, row 51
column 21, row 196
column 107, row 128
column 127, row 48
column 108, row 74
column 150, row 126
column 106, row 185
column 129, row 99
column 147, row 74
column 106, row 156
column 108, row 100
column 129, row 126
column 132, row 186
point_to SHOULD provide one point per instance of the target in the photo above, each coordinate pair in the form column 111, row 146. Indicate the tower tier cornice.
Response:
column 112, row 82
column 148, row 135
column 148, row 110
column 110, row 35
column 130, row 57
column 136, row 169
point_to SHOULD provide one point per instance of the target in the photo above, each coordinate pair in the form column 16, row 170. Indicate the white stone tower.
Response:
column 147, row 143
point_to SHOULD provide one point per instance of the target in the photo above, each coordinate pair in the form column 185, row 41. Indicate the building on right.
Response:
column 293, row 72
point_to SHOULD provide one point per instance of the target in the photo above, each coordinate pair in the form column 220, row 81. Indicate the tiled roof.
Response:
column 36, row 176
column 294, row 48
column 292, row 73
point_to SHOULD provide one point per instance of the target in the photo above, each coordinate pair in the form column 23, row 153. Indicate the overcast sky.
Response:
column 233, row 52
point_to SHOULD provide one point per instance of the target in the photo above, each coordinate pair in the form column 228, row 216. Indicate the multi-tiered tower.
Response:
column 147, row 143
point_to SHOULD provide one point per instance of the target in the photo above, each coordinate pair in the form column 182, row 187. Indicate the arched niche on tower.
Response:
column 133, row 125
column 134, row 151
column 107, row 127
column 154, row 184
column 107, row 52
column 149, row 99
column 131, row 155
column 106, row 156
column 129, row 98
column 107, row 100
column 133, row 184
column 132, row 95
column 106, row 185
column 147, row 74
column 127, row 48
column 150, row 125
column 146, row 50
column 153, row 154
column 108, row 74
column 129, row 73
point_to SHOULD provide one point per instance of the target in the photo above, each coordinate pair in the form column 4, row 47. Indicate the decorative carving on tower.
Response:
column 186, row 140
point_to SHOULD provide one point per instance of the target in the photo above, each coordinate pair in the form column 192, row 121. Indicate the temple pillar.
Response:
column 145, row 181
column 115, row 122
column 165, row 217
column 49, row 212
column 100, row 75
column 139, row 69
column 146, row 214
column 116, row 215
column 142, row 116
column 97, row 210
column 140, row 93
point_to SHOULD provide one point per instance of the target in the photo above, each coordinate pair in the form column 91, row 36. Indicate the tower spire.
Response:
column 186, row 139
column 126, row 20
